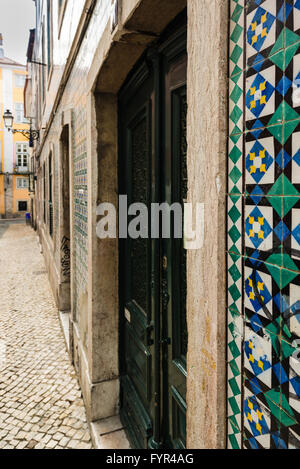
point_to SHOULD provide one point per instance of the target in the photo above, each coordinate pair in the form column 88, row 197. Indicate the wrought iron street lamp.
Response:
column 30, row 133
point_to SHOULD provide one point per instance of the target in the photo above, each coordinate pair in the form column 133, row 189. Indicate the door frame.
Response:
column 171, row 45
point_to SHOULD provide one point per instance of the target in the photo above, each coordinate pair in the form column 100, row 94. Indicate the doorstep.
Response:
column 109, row 433
column 64, row 317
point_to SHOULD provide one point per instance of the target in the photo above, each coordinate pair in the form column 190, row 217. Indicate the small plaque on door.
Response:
column 127, row 315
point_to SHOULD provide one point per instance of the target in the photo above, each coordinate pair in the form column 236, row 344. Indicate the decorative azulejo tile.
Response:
column 234, row 208
column 290, row 306
column 264, row 160
column 262, row 389
column 264, row 225
column 261, row 424
column 264, row 229
column 294, row 149
column 264, row 28
column 236, row 37
column 234, row 263
column 291, row 245
column 234, row 375
column 234, row 364
column 292, row 23
column 292, row 158
column 236, row 98
column 262, row 297
column 290, row 399
column 235, row 164
column 292, row 82
column 264, row 93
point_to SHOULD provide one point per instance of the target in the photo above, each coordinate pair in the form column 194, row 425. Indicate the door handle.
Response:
column 149, row 339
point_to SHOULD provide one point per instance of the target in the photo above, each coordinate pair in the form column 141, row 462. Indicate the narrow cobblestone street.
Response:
column 40, row 400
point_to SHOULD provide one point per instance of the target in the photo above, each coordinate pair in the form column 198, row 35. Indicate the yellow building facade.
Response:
column 14, row 147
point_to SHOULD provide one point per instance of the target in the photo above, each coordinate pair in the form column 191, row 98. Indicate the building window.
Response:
column 22, row 183
column 50, row 213
column 22, row 155
column 19, row 113
column 20, row 80
column 44, row 192
column 22, row 205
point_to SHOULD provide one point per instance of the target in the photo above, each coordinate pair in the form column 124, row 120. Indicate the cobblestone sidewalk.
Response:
column 40, row 400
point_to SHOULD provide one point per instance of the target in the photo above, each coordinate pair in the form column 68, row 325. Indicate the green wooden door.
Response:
column 152, row 168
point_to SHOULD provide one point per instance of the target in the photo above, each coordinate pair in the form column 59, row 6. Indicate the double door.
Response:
column 152, row 273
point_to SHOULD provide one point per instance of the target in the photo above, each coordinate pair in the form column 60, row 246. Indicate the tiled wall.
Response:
column 74, row 99
column 80, row 204
column 264, row 225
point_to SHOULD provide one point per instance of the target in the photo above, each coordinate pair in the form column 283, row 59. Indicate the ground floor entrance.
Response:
column 152, row 278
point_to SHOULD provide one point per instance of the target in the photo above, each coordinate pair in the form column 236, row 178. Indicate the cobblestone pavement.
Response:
column 40, row 400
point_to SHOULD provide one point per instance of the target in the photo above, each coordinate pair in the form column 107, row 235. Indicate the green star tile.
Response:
column 273, row 330
column 278, row 59
column 236, row 78
column 234, row 249
column 287, row 350
column 236, row 130
column 236, row 94
column 278, row 44
column 235, row 138
column 237, row 13
column 234, row 405
column 276, row 119
column 289, row 128
column 234, row 257
column 234, row 314
column 234, row 292
column 234, row 214
column 276, row 190
column 234, row 272
column 236, row 33
column 234, row 386
column 274, row 396
column 235, row 115
column 233, row 441
column 235, row 154
column 234, row 198
column 234, row 424
column 290, row 37
column 233, row 330
column 234, row 234
column 274, row 271
column 275, row 201
column 276, row 130
column 288, row 187
column 235, row 174
column 275, row 259
column 236, row 70
column 236, row 54
column 234, row 349
column 233, row 308
column 234, row 368
column 289, row 272
column 289, row 54
column 235, row 190
column 286, row 420
column 289, row 113
column 288, row 203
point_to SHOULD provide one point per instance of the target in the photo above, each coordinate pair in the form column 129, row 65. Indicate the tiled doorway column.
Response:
column 263, row 225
